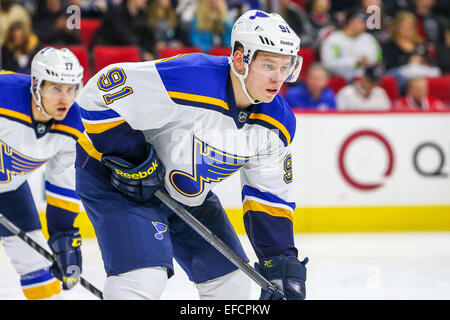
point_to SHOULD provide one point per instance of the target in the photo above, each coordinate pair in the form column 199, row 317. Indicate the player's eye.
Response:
column 268, row 66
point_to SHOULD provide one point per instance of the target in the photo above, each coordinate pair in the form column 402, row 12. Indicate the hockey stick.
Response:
column 212, row 239
column 36, row 246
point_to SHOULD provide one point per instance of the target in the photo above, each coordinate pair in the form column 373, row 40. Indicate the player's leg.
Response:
column 36, row 281
column 215, row 276
column 133, row 238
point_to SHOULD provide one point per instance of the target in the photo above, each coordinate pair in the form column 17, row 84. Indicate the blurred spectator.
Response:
column 321, row 20
column 394, row 6
column 125, row 25
column 379, row 29
column 405, row 45
column 185, row 11
column 90, row 8
column 297, row 19
column 430, row 26
column 346, row 52
column 364, row 94
column 443, row 52
column 19, row 48
column 162, row 23
column 11, row 12
column 314, row 94
column 211, row 25
column 50, row 24
column 405, row 55
column 417, row 98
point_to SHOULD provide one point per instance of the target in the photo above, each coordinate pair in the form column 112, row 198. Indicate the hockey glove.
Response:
column 287, row 274
column 67, row 253
column 138, row 182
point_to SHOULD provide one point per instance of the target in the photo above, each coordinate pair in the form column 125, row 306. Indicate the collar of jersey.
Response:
column 40, row 128
column 240, row 116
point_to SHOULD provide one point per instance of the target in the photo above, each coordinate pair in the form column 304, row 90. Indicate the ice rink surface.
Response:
column 343, row 266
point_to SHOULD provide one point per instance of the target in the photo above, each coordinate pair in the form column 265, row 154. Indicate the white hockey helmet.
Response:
column 257, row 30
column 56, row 65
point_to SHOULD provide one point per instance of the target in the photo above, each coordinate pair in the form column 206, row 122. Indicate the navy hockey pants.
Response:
column 18, row 206
column 132, row 235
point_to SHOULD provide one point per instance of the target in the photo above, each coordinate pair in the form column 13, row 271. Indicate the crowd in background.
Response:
column 409, row 40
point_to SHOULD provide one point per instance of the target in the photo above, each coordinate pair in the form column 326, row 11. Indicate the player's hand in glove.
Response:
column 138, row 182
column 288, row 274
column 67, row 253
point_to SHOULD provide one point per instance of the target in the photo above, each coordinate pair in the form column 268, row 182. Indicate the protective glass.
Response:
column 60, row 91
column 279, row 68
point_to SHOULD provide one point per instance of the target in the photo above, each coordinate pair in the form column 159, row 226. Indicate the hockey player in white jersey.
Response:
column 39, row 124
column 184, row 124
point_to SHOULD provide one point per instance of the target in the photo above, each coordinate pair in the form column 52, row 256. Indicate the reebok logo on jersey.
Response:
column 140, row 174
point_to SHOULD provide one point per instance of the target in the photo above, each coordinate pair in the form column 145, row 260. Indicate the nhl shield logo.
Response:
column 242, row 117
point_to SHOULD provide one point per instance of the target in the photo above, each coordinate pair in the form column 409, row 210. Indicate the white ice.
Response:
column 361, row 266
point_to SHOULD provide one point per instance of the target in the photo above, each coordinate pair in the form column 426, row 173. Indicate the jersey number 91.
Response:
column 114, row 78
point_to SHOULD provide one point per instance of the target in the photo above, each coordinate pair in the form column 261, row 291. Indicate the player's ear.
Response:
column 238, row 61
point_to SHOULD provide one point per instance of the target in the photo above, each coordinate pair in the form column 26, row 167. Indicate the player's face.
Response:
column 267, row 74
column 57, row 98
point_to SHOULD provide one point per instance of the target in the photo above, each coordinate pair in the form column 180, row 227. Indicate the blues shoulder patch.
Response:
column 15, row 97
column 197, row 80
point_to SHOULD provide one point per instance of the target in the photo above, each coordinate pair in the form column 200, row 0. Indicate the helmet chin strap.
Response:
column 38, row 101
column 241, row 78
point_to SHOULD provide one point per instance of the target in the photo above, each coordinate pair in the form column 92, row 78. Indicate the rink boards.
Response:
column 356, row 172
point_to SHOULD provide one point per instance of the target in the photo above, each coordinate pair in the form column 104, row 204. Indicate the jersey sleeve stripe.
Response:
column 98, row 115
column 101, row 127
column 60, row 190
column 15, row 115
column 275, row 123
column 250, row 205
column 66, row 129
column 198, row 98
column 266, row 197
column 88, row 146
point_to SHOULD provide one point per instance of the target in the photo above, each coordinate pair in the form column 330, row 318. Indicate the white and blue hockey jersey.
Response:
column 26, row 145
column 184, row 106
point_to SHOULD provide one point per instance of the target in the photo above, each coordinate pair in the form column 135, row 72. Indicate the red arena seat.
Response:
column 220, row 51
column 389, row 84
column 336, row 83
column 308, row 59
column 88, row 29
column 170, row 52
column 106, row 55
column 439, row 88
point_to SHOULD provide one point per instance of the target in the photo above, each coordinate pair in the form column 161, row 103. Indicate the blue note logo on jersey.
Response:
column 160, row 228
column 13, row 162
column 209, row 165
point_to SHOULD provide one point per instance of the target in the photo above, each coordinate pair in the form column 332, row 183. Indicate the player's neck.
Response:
column 240, row 98
column 37, row 115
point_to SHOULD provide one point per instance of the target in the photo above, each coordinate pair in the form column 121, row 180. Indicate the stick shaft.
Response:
column 44, row 252
column 212, row 239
